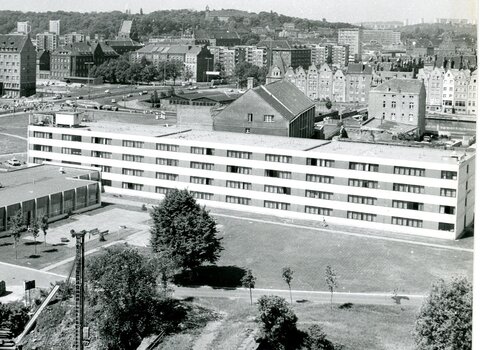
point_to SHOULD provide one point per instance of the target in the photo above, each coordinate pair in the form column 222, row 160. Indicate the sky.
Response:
column 352, row 11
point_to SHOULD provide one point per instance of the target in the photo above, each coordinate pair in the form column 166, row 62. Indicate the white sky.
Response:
column 333, row 10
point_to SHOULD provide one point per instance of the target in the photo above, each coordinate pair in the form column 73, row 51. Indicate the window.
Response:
column 318, row 210
column 202, row 150
column 411, row 105
column 250, row 117
column 238, row 200
column 445, row 209
column 450, row 175
column 42, row 135
column 134, row 144
column 360, row 216
column 106, row 182
column 318, row 194
column 363, row 166
column 201, row 195
column 239, row 154
column 278, row 158
column 166, row 147
column 239, row 184
column 132, row 172
column 201, row 180
column 407, row 222
column 319, row 178
column 42, row 148
column 132, row 186
column 99, row 154
column 203, row 166
column 320, row 162
column 166, row 176
column 277, row 189
column 247, row 130
column 447, row 192
column 394, row 104
column 384, row 104
column 400, row 170
column 267, row 118
column 276, row 205
column 361, row 200
column 362, row 183
column 163, row 190
column 392, row 116
column 442, row 226
column 132, row 158
column 167, row 161
column 103, row 168
column 408, row 188
column 407, row 205
column 74, row 151
column 101, row 140
column 76, row 138
column 278, row 173
column 239, row 169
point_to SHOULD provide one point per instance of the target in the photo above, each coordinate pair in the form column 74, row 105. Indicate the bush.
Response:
column 13, row 316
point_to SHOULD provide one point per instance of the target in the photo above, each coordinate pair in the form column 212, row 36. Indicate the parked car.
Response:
column 14, row 162
column 107, row 91
column 79, row 97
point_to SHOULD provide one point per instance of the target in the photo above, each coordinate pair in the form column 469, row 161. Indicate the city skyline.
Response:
column 339, row 11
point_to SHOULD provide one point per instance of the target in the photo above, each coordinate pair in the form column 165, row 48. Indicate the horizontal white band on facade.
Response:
column 298, row 215
column 262, row 180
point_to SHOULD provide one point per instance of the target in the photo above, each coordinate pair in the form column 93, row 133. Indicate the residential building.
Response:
column 353, row 37
column 325, row 84
column 54, row 27
column 381, row 76
column 102, row 53
column 43, row 64
column 358, row 82
column 122, row 46
column 225, row 15
column 73, row 37
column 294, row 56
column 71, row 61
column 399, row 100
column 455, row 90
column 472, row 94
column 384, row 37
column 24, row 27
column 47, row 41
column 251, row 54
column 54, row 191
column 125, row 30
column 339, row 86
column 432, row 78
column 278, row 108
column 340, row 56
column 382, row 25
column 410, row 190
column 225, row 57
column 321, row 54
column 17, row 66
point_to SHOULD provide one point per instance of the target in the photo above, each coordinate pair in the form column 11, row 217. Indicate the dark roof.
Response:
column 401, row 85
column 106, row 49
column 78, row 48
column 285, row 97
column 210, row 95
column 12, row 42
column 275, row 44
column 122, row 42
column 359, row 68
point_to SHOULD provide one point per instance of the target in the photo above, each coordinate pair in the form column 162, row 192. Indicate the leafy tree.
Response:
column 445, row 318
column 123, row 283
column 187, row 74
column 17, row 225
column 248, row 281
column 287, row 275
column 44, row 228
column 328, row 103
column 331, row 280
column 317, row 339
column 35, row 230
column 245, row 70
column 14, row 316
column 278, row 323
column 184, row 231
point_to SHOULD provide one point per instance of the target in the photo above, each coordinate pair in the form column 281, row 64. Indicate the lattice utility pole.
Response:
column 79, row 290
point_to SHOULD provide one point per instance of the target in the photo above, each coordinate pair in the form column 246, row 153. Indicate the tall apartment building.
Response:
column 54, row 27
column 251, row 54
column 73, row 37
column 353, row 37
column 400, row 101
column 18, row 61
column 340, row 56
column 47, row 41
column 294, row 57
column 321, row 54
column 225, row 57
column 24, row 27
column 384, row 37
column 411, row 190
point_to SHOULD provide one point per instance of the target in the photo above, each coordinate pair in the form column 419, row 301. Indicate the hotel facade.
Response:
column 412, row 190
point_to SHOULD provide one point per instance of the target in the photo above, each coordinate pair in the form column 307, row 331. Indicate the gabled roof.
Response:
column 170, row 49
column 413, row 86
column 12, row 42
column 79, row 49
column 285, row 97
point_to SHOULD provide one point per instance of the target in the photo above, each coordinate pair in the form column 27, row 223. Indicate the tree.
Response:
column 123, row 283
column 245, row 70
column 13, row 316
column 317, row 339
column 328, row 103
column 445, row 318
column 287, row 275
column 16, row 224
column 44, row 228
column 331, row 280
column 278, row 323
column 184, row 231
column 35, row 230
column 248, row 281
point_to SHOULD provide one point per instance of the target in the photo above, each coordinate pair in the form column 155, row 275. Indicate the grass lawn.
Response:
column 9, row 144
column 362, row 264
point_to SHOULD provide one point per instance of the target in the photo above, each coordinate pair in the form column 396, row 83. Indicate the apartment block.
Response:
column 410, row 190
column 353, row 37
column 47, row 41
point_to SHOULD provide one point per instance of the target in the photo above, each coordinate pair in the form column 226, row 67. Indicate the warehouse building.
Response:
column 412, row 190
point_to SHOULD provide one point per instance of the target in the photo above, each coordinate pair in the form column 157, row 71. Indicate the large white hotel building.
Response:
column 413, row 190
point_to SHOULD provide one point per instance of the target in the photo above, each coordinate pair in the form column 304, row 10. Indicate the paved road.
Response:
column 14, row 275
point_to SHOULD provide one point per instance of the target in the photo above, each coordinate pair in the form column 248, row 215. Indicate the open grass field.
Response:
column 13, row 125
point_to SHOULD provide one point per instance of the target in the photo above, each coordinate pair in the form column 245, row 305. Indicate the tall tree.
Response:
column 245, row 70
column 331, row 281
column 123, row 282
column 287, row 275
column 16, row 225
column 184, row 230
column 445, row 318
column 35, row 230
column 248, row 281
column 44, row 228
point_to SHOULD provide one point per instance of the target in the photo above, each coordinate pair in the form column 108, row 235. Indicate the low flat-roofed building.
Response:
column 52, row 190
column 414, row 190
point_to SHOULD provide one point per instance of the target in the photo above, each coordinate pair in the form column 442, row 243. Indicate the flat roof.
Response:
column 38, row 181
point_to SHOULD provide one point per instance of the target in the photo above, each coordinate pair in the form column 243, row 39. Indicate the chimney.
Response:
column 249, row 83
